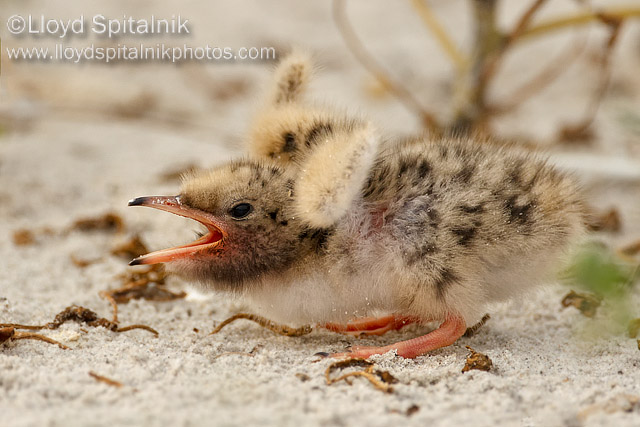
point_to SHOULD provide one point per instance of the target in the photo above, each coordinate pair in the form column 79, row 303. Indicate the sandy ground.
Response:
column 75, row 144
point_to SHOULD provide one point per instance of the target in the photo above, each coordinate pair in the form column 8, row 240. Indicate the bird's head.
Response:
column 251, row 229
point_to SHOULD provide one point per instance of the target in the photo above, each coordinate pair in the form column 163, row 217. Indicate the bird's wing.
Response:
column 333, row 174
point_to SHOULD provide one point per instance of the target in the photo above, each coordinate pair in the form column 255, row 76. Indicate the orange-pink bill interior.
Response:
column 172, row 204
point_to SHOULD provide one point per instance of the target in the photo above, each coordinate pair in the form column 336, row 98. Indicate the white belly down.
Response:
column 319, row 298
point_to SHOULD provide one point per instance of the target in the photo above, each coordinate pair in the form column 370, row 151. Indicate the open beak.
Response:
column 172, row 204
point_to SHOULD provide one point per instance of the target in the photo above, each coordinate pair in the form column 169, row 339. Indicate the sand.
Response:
column 75, row 144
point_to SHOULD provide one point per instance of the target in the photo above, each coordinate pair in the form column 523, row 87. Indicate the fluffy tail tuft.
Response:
column 292, row 78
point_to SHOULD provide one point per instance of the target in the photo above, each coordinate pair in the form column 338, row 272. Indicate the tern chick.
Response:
column 325, row 223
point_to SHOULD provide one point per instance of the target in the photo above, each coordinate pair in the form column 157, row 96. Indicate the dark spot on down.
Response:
column 317, row 130
column 369, row 189
column 404, row 165
column 471, row 209
column 383, row 173
column 422, row 252
column 434, row 216
column 321, row 236
column 318, row 236
column 289, row 142
column 465, row 235
column 514, row 175
column 423, row 169
column 447, row 277
column 444, row 152
column 275, row 171
column 518, row 213
column 465, row 174
column 303, row 235
column 378, row 181
column 292, row 85
column 273, row 214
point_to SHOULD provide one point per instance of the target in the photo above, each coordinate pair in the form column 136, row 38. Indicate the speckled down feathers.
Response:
column 426, row 228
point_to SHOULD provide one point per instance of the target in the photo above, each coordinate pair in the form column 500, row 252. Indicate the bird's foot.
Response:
column 371, row 325
column 449, row 331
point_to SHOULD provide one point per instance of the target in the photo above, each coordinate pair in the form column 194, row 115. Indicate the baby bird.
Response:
column 326, row 223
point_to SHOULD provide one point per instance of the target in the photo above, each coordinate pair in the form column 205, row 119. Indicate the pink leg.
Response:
column 371, row 325
column 449, row 331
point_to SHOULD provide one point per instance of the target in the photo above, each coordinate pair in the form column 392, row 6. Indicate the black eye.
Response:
column 241, row 210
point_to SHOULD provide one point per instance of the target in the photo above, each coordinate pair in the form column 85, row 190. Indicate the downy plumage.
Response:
column 324, row 223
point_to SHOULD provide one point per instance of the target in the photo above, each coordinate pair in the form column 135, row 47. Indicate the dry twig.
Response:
column 581, row 18
column 606, row 221
column 105, row 380
column 132, row 248
column 631, row 249
column 367, row 60
column 108, row 222
column 381, row 380
column 488, row 54
column 448, row 46
column 83, row 315
column 474, row 329
column 141, row 283
column 265, row 323
column 543, row 79
column 474, row 76
column 82, row 262
column 148, row 284
column 8, row 333
column 581, row 130
column 23, row 237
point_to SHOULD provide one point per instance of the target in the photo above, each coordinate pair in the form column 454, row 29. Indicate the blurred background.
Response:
column 78, row 140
